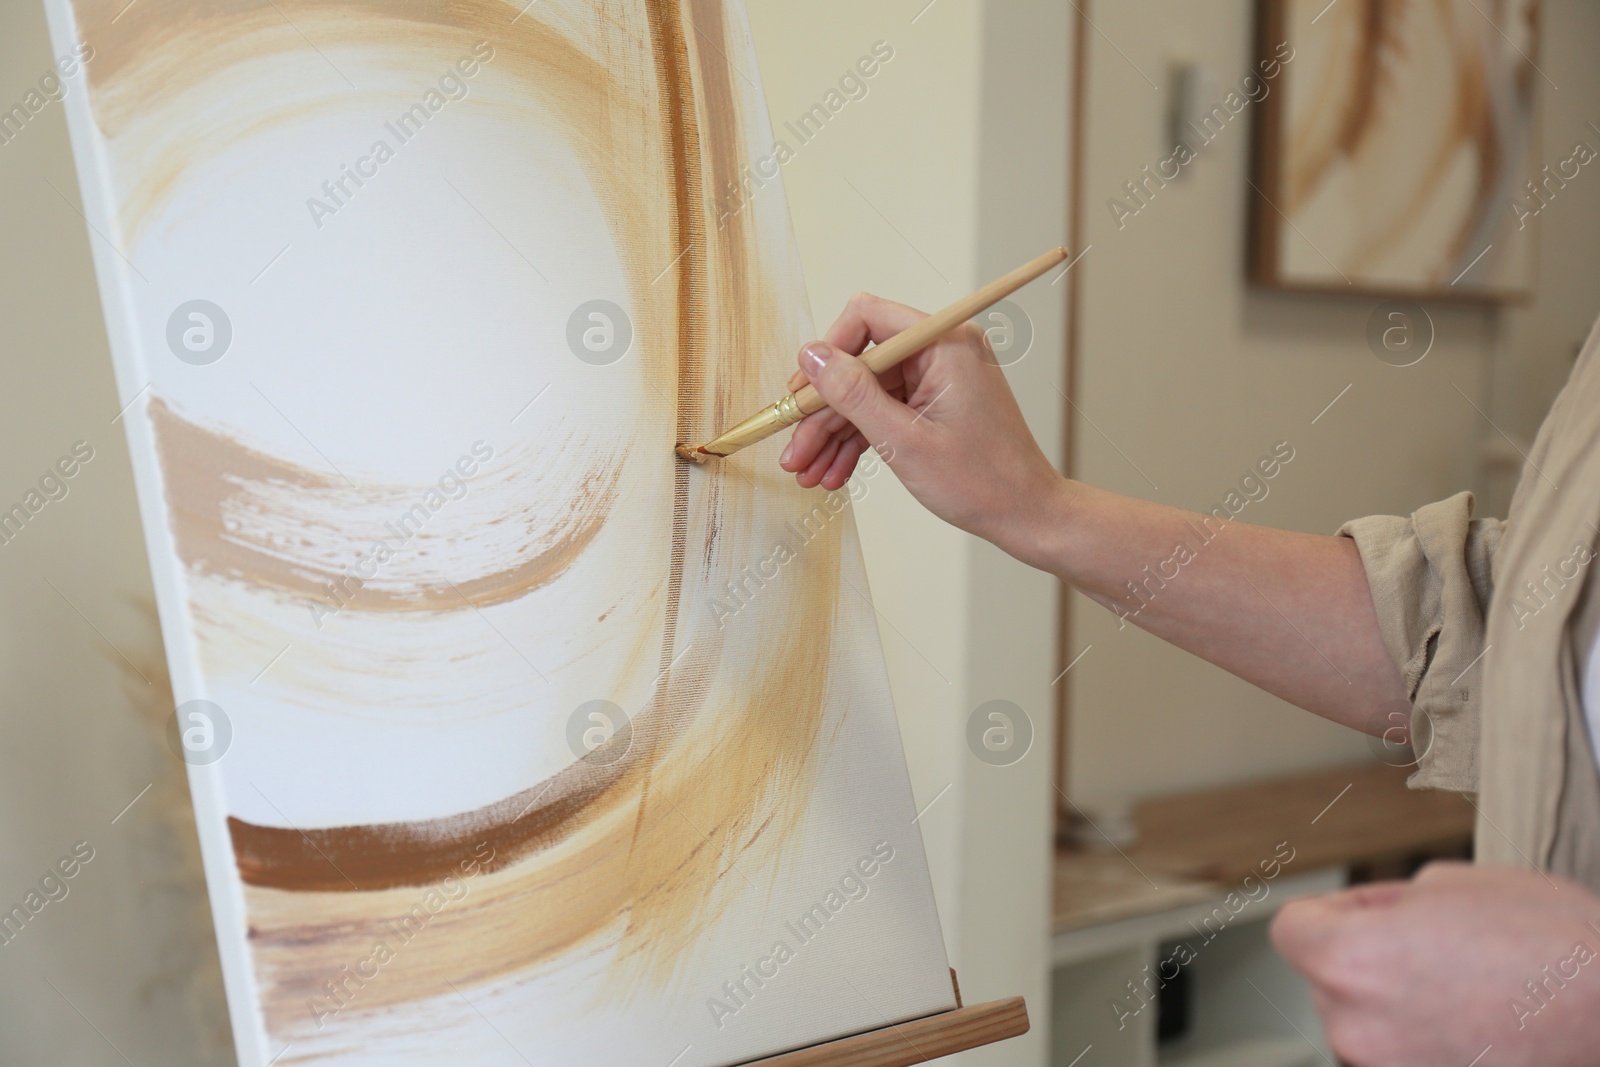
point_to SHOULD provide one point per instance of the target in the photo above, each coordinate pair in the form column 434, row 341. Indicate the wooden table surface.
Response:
column 1191, row 845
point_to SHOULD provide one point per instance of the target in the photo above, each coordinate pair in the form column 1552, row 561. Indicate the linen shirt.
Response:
column 1492, row 623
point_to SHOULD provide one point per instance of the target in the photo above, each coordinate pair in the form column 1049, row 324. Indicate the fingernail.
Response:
column 815, row 356
column 783, row 459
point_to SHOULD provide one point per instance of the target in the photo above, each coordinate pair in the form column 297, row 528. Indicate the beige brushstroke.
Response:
column 226, row 503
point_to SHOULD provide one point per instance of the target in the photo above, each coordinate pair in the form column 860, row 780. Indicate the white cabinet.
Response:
column 1246, row 1007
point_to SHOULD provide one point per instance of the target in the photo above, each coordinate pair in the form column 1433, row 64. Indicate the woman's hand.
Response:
column 944, row 420
column 1434, row 971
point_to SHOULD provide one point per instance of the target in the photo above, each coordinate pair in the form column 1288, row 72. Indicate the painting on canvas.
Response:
column 1396, row 147
column 512, row 739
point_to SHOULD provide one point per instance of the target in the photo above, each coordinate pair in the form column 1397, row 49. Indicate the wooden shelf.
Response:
column 1101, row 887
column 1192, row 845
column 917, row 1041
column 1349, row 816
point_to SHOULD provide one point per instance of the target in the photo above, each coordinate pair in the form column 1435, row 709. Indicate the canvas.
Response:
column 1396, row 149
column 512, row 738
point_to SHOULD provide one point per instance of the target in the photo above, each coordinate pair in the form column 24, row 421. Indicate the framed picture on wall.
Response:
column 1398, row 152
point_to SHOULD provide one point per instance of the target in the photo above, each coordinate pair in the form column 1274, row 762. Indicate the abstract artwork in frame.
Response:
column 1396, row 151
column 512, row 739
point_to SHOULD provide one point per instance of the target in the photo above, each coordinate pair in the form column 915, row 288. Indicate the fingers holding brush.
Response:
column 835, row 461
column 861, row 408
column 851, row 386
column 825, row 446
column 827, row 434
column 944, row 419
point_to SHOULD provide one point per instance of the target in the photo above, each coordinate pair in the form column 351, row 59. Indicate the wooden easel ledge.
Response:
column 917, row 1041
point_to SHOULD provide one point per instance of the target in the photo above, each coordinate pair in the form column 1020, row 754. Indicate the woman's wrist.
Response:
column 1036, row 529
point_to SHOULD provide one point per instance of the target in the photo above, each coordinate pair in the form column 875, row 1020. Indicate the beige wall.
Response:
column 1537, row 342
column 1193, row 375
column 123, row 948
column 957, row 159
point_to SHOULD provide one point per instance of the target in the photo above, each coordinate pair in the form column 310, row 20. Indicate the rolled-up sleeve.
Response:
column 1431, row 582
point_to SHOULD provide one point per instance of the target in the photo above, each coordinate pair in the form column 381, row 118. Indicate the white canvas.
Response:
column 512, row 739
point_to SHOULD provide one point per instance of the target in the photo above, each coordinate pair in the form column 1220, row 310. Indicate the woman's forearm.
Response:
column 1288, row 612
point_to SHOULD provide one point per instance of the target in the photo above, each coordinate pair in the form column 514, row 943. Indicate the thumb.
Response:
column 854, row 392
column 1305, row 927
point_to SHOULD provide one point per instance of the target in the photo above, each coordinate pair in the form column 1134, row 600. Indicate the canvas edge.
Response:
column 225, row 893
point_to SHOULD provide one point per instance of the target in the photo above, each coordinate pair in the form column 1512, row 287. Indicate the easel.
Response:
column 917, row 1041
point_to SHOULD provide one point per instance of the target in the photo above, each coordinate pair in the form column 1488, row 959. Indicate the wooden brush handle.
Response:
column 908, row 343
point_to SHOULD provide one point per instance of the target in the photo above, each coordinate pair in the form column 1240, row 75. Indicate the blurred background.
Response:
column 1164, row 365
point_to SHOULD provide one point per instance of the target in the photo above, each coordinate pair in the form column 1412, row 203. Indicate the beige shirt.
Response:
column 1489, row 622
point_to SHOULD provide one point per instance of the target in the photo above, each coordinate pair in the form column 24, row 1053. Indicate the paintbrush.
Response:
column 797, row 405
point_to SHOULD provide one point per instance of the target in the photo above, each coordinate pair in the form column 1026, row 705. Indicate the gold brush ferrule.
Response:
column 758, row 427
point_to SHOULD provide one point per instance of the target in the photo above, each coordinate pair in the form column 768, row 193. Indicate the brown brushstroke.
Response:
column 212, row 480
column 1370, row 80
column 675, row 90
column 738, row 278
column 1470, row 124
column 1339, row 128
column 363, row 858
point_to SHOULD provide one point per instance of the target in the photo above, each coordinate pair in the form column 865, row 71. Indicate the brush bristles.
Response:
column 693, row 455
